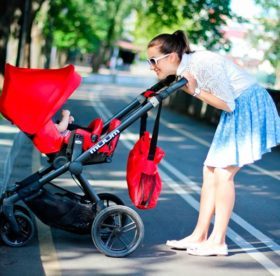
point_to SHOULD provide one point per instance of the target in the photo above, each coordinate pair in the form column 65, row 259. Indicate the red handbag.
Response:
column 143, row 179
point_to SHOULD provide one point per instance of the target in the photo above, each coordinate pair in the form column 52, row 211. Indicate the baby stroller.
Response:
column 29, row 99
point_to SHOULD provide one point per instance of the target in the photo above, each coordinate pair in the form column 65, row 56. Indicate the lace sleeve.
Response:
column 211, row 75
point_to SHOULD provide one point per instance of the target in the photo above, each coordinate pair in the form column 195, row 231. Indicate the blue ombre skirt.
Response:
column 244, row 135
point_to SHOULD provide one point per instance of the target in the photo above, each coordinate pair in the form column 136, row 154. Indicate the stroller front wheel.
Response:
column 117, row 231
column 26, row 226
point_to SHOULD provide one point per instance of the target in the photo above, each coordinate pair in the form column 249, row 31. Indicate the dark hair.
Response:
column 168, row 43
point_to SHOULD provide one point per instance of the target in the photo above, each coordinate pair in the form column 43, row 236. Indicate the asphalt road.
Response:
column 254, row 230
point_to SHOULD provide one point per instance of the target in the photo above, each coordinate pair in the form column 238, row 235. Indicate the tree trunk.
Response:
column 7, row 16
column 97, row 60
column 104, row 53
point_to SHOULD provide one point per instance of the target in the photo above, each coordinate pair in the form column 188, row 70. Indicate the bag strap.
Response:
column 143, row 127
column 143, row 124
column 153, row 144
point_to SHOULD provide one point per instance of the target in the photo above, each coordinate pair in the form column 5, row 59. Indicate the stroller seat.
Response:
column 31, row 97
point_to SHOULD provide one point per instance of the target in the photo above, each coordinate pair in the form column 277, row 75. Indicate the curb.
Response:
column 132, row 80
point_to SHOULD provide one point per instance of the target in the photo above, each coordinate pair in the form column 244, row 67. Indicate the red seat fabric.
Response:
column 96, row 127
column 48, row 139
column 30, row 97
column 107, row 149
column 110, row 148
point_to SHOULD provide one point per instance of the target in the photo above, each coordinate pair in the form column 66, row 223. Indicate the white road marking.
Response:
column 252, row 251
column 48, row 254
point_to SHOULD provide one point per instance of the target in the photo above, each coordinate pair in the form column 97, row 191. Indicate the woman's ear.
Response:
column 174, row 58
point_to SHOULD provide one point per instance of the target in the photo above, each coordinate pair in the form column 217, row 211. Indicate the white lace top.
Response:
column 217, row 75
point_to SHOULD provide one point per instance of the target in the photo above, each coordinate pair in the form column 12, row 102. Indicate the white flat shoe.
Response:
column 221, row 250
column 179, row 244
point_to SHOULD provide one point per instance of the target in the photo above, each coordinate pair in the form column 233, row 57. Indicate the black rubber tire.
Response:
column 110, row 199
column 117, row 231
column 27, row 230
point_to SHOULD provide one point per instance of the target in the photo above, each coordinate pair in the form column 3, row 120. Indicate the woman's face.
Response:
column 163, row 65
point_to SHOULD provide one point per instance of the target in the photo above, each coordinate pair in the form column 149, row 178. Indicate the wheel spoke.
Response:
column 128, row 227
column 119, row 219
column 117, row 231
column 112, row 226
column 109, row 239
column 124, row 242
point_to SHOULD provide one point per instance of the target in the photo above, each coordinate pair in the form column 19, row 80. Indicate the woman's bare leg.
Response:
column 224, row 202
column 207, row 207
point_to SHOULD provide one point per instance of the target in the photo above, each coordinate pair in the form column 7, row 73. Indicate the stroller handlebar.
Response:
column 137, row 102
column 172, row 88
column 161, row 84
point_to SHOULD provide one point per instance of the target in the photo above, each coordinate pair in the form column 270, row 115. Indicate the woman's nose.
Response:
column 152, row 67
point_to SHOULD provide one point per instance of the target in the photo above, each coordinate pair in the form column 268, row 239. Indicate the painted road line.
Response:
column 48, row 254
column 236, row 218
column 231, row 234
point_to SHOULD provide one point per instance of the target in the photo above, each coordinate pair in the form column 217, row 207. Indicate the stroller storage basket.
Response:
column 62, row 209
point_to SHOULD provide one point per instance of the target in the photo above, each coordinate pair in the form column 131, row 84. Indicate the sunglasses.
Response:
column 154, row 61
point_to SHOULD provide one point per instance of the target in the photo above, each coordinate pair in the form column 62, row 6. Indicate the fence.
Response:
column 190, row 105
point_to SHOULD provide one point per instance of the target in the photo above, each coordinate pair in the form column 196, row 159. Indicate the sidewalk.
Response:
column 16, row 155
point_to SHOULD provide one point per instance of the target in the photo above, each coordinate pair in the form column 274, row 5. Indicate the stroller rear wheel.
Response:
column 117, row 231
column 26, row 226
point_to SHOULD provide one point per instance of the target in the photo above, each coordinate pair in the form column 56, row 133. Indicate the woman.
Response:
column 249, row 127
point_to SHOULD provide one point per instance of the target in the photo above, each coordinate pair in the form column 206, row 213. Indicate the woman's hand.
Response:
column 191, row 84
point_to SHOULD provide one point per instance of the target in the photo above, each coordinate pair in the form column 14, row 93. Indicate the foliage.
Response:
column 93, row 26
column 270, row 32
column 202, row 20
column 70, row 25
column 88, row 26
column 270, row 20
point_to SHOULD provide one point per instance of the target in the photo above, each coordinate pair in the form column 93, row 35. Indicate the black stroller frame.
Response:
column 116, row 230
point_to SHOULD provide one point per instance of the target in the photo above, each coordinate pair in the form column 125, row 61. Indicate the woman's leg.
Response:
column 207, row 206
column 224, row 202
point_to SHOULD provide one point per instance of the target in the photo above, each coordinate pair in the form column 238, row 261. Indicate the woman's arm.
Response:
column 204, row 95
column 210, row 99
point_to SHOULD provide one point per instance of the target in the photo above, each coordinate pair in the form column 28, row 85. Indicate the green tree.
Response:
column 270, row 34
column 68, row 25
column 201, row 19
column 86, row 26
column 110, row 17
column 93, row 26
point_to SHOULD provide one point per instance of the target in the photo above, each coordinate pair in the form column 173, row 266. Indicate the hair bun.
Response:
column 179, row 33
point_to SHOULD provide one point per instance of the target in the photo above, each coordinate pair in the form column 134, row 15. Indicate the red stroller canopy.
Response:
column 30, row 97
